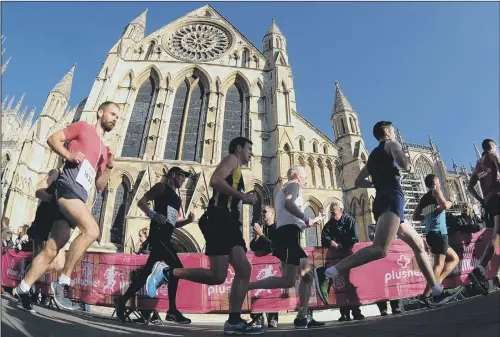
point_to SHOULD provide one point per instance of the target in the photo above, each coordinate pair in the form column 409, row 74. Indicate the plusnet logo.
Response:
column 402, row 273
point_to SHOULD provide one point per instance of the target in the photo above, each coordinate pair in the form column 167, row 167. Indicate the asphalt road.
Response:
column 479, row 316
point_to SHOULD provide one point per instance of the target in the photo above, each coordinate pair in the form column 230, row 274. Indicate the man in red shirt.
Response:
column 88, row 161
column 487, row 172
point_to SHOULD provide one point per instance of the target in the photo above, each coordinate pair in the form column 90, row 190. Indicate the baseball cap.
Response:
column 178, row 170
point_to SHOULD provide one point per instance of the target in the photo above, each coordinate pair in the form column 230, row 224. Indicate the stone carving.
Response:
column 199, row 42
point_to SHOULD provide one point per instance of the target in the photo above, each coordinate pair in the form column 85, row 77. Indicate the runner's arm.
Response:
column 443, row 204
column 362, row 179
column 42, row 186
column 157, row 190
column 395, row 149
column 184, row 222
column 292, row 191
column 56, row 140
column 104, row 171
column 417, row 214
column 218, row 180
column 470, row 187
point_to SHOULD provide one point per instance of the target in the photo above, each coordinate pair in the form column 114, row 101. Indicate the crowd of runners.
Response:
column 89, row 161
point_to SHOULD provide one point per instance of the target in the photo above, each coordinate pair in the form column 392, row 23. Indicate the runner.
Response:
column 388, row 209
column 164, row 219
column 85, row 155
column 487, row 172
column 291, row 223
column 433, row 206
column 225, row 245
column 44, row 219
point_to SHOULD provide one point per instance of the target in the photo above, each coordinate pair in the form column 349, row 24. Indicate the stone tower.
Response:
column 353, row 155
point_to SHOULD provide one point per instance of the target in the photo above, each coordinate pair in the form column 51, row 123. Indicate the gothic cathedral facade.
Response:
column 185, row 91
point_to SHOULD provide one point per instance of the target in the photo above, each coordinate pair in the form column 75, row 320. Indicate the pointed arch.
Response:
column 353, row 129
column 258, row 88
column 301, row 143
column 423, row 167
column 120, row 209
column 236, row 116
column 127, row 80
column 353, row 207
column 315, row 146
column 331, row 174
column 176, row 120
column 138, row 127
column 150, row 50
column 192, row 71
column 312, row 208
column 245, row 58
column 151, row 71
column 301, row 161
column 342, row 125
column 311, row 171
column 321, row 171
column 239, row 78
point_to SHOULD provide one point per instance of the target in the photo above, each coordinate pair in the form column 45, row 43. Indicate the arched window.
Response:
column 338, row 176
column 330, row 173
column 245, row 58
column 97, row 206
column 135, row 138
column 301, row 144
column 286, row 148
column 343, row 126
column 311, row 233
column 193, row 136
column 353, row 129
column 278, row 42
column 312, row 173
column 325, row 149
column 119, row 212
column 322, row 172
column 150, row 51
column 315, row 147
column 235, row 123
column 422, row 168
column 174, row 128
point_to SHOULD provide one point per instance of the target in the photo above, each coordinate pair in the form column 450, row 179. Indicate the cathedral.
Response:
column 185, row 91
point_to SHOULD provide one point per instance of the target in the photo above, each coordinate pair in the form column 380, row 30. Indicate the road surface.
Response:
column 478, row 316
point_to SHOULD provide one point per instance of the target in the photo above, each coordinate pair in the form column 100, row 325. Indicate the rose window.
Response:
column 199, row 42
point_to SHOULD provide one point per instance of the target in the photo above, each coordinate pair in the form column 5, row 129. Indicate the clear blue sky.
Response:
column 431, row 68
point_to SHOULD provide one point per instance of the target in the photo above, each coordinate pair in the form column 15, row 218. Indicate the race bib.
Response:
column 86, row 175
column 172, row 215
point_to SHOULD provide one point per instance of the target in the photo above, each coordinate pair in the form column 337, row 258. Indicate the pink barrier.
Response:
column 100, row 277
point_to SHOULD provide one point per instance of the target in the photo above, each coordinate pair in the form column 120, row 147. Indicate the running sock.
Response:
column 24, row 287
column 437, row 290
column 234, row 318
column 481, row 269
column 64, row 280
column 331, row 272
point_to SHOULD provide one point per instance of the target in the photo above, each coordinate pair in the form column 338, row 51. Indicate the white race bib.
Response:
column 172, row 215
column 86, row 175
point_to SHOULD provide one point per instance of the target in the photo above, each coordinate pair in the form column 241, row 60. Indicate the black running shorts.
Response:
column 493, row 205
column 64, row 191
column 438, row 242
column 222, row 231
column 287, row 246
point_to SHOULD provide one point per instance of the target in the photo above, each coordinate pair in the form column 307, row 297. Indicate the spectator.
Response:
column 144, row 243
column 265, row 234
column 7, row 241
column 339, row 234
column 24, row 242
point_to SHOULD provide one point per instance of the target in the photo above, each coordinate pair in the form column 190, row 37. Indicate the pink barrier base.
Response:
column 100, row 277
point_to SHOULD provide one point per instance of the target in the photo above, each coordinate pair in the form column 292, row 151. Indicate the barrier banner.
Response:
column 100, row 277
